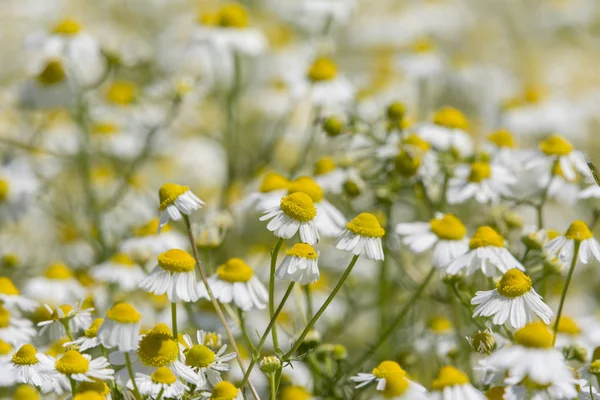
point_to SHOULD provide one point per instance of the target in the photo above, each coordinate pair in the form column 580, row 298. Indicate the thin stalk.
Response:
column 309, row 304
column 244, row 330
column 132, row 377
column 272, row 290
column 273, row 386
column 73, row 386
column 174, row 320
column 160, row 394
column 563, row 296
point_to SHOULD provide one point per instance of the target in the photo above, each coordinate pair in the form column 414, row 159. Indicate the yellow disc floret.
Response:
column 387, row 369
column 105, row 128
column 568, row 325
column 176, row 260
column 53, row 73
column 514, row 283
column 502, row 138
column 449, row 376
column 407, row 163
column 72, row 362
column 322, row 69
column 416, row 142
column 7, row 287
column 440, row 324
column 67, row 27
column 479, row 171
column 233, row 16
column 366, row 224
column 163, row 375
column 121, row 93
column 449, row 227
column 3, row 189
column 123, row 259
column 92, row 331
column 150, row 228
column 199, row 356
column 157, row 348
column 534, row 335
column 5, row 348
column 26, row 355
column 96, row 385
column 486, row 236
column 124, row 313
column 89, row 395
column 450, row 117
column 292, row 392
column 61, row 311
column 306, row 184
column 4, row 317
column 556, row 145
column 224, row 391
column 26, row 392
column 169, row 192
column 273, row 181
column 578, row 230
column 395, row 386
column 299, row 206
column 324, row 166
column 58, row 272
column 303, row 250
column 235, row 270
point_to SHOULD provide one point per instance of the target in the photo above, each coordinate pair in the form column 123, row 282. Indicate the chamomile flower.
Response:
column 90, row 339
column 578, row 233
column 486, row 252
column 362, row 235
column 447, row 131
column 10, row 296
column 325, row 86
column 295, row 392
column 65, row 315
column 533, row 357
column 14, row 329
column 501, row 145
column 224, row 391
column 299, row 265
column 27, row 366
column 480, row 180
column 174, row 275
column 120, row 328
column 176, row 200
column 391, row 381
column 446, row 234
column 160, row 382
column 452, row 384
column 204, row 361
column 329, row 175
column 77, row 366
column 272, row 188
column 295, row 213
column 146, row 243
column 557, row 149
column 559, row 187
column 235, row 281
column 56, row 286
column 121, row 270
column 18, row 185
column 514, row 301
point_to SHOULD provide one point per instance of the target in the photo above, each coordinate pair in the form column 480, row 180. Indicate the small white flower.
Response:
column 77, row 366
column 176, row 200
column 14, row 329
column 447, row 132
column 563, row 246
column 482, row 181
column 392, row 382
column 296, row 212
column 452, row 384
column 56, row 286
column 90, row 339
column 160, row 382
column 76, row 318
column 299, row 265
column 147, row 243
column 223, row 390
column 514, row 301
column 27, row 367
column 556, row 149
column 120, row 328
column 204, row 361
column 121, row 270
column 9, row 295
column 362, row 235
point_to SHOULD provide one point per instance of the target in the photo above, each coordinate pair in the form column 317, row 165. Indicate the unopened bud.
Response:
column 333, row 126
column 395, row 111
column 483, row 342
column 513, row 220
column 270, row 364
column 577, row 353
column 595, row 368
column 339, row 352
column 406, row 164
column 351, row 189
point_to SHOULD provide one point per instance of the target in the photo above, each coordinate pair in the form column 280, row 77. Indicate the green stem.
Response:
column 65, row 323
column 309, row 304
column 563, row 296
column 272, row 290
column 73, row 386
column 443, row 198
column 132, row 377
column 174, row 320
column 244, row 330
column 321, row 310
column 272, row 386
column 160, row 394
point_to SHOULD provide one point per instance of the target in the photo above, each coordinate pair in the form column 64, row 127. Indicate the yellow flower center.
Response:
column 514, row 283
column 416, row 142
column 322, row 69
column 495, row 393
column 302, row 250
column 307, row 185
column 199, row 356
column 440, row 324
column 67, row 27
column 324, row 166
column 502, row 138
column 5, row 348
column 65, row 308
column 557, row 170
column 7, row 287
column 407, row 164
column 94, row 386
column 366, row 224
column 72, row 362
column 294, row 393
column 535, row 335
column 235, row 270
column 123, row 260
column 422, row 46
column 105, row 128
column 124, row 313
column 121, row 92
column 157, row 348
column 273, row 181
column 58, row 272
column 486, row 236
column 578, row 230
column 163, row 375
column 224, row 391
column 233, row 16
column 449, row 227
column 52, row 73
column 387, row 369
column 26, row 355
column 479, row 171
column 211, row 339
column 299, row 206
column 92, row 331
column 4, row 317
column 176, row 260
column 3, row 190
column 26, row 392
column 89, row 395
column 169, row 192
column 150, row 228
column 552, row 234
column 395, row 386
column 449, row 376
column 556, row 145
column 568, row 325
column 57, row 347
column 450, row 117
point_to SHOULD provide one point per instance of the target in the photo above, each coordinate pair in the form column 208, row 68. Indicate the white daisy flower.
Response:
column 446, row 234
column 557, row 149
column 324, row 85
column 204, row 361
column 391, row 381
column 448, row 132
column 480, row 180
column 213, row 231
column 18, row 186
column 160, row 382
column 56, row 286
column 90, row 339
column 77, row 366
column 533, row 357
column 362, row 234
column 590, row 192
column 8, row 377
column 14, row 329
column 452, row 384
column 570, row 332
column 147, row 243
column 299, row 265
column 26, row 366
column 175, row 275
column 330, row 176
column 121, row 270
column 501, row 145
column 272, row 188
column 235, row 281
column 559, row 187
column 10, row 296
column 514, row 301
column 120, row 328
column 423, row 61
column 487, row 253
column 225, row 391
column 176, row 200
column 329, row 220
column 563, row 246
column 295, row 213
column 65, row 315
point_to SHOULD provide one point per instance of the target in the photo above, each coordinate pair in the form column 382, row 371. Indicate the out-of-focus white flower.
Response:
column 75, row 318
column 447, row 132
column 392, row 382
column 17, row 189
column 556, row 149
column 484, row 182
column 422, row 61
column 121, row 270
column 452, row 384
column 14, row 329
column 56, row 286
column 90, row 339
column 147, row 243
column 10, row 297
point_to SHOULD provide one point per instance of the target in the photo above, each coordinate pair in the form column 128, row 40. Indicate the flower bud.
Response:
column 333, row 126
column 483, row 342
column 270, row 364
column 577, row 353
column 311, row 341
column 513, row 220
column 351, row 188
column 595, row 368
column 339, row 352
column 406, row 164
column 395, row 111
